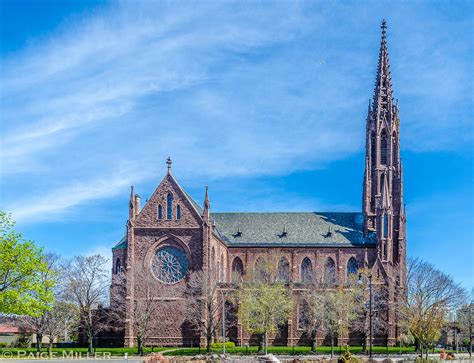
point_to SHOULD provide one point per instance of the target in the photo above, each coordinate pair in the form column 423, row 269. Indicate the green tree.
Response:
column 263, row 306
column 342, row 307
column 49, row 278
column 22, row 266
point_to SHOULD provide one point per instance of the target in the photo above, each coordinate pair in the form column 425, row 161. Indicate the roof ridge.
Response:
column 279, row 212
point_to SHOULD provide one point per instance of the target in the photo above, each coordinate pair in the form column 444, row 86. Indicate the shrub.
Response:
column 3, row 345
column 218, row 345
column 347, row 357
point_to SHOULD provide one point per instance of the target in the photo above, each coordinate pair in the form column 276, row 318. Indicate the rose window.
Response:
column 170, row 264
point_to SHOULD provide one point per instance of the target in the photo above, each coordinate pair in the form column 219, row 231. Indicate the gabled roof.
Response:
column 302, row 229
column 121, row 244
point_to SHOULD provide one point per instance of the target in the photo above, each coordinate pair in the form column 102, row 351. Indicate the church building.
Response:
column 172, row 236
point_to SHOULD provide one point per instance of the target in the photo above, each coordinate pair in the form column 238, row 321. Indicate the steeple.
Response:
column 206, row 207
column 382, row 195
column 382, row 104
column 131, row 206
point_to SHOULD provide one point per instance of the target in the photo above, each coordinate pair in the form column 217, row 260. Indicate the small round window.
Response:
column 170, row 264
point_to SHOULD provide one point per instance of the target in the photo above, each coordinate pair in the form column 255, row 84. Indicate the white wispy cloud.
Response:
column 227, row 89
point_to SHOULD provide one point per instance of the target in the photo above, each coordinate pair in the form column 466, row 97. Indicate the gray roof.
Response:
column 193, row 202
column 121, row 244
column 302, row 229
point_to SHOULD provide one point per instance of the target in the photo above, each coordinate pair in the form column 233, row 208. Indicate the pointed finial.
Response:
column 131, row 191
column 206, row 198
column 384, row 27
column 169, row 162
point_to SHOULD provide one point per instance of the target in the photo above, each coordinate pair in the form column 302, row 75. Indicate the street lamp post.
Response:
column 370, row 310
column 370, row 315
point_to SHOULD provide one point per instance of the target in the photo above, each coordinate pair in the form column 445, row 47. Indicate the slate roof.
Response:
column 302, row 229
column 121, row 244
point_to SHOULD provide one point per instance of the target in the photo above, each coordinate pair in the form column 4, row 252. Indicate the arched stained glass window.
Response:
column 352, row 266
column 283, row 274
column 330, row 271
column 373, row 157
column 170, row 264
column 383, row 148
column 118, row 266
column 237, row 270
column 222, row 271
column 306, row 271
column 385, row 225
column 214, row 263
column 160, row 212
column 178, row 212
column 169, row 206
column 260, row 273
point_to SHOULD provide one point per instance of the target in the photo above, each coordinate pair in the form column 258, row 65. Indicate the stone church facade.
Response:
column 172, row 236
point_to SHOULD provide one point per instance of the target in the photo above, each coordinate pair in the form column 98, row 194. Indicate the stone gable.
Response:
column 148, row 216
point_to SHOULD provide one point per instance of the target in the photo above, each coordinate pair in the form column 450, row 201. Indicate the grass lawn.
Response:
column 297, row 350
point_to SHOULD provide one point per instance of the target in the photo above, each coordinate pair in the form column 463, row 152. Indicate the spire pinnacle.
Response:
column 206, row 198
column 169, row 162
column 383, row 95
column 383, row 27
column 207, row 207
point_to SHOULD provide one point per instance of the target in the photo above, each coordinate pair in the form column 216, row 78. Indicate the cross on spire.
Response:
column 383, row 26
column 169, row 162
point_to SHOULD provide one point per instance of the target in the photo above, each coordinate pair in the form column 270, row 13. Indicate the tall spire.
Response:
column 383, row 95
column 131, row 205
column 207, row 207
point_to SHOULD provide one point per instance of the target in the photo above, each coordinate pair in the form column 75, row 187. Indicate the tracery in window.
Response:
column 283, row 274
column 260, row 272
column 372, row 148
column 169, row 206
column 352, row 266
column 222, row 271
column 302, row 315
column 237, row 270
column 118, row 266
column 385, row 225
column 306, row 271
column 330, row 271
column 383, row 148
column 170, row 264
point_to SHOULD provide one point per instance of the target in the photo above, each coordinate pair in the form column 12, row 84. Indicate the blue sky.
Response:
column 265, row 102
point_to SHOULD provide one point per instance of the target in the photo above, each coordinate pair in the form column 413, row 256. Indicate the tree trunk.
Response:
column 266, row 343
column 140, row 346
column 260, row 344
column 208, row 343
column 39, row 342
column 364, row 343
column 332, row 345
column 50, row 348
column 89, row 347
column 314, row 342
